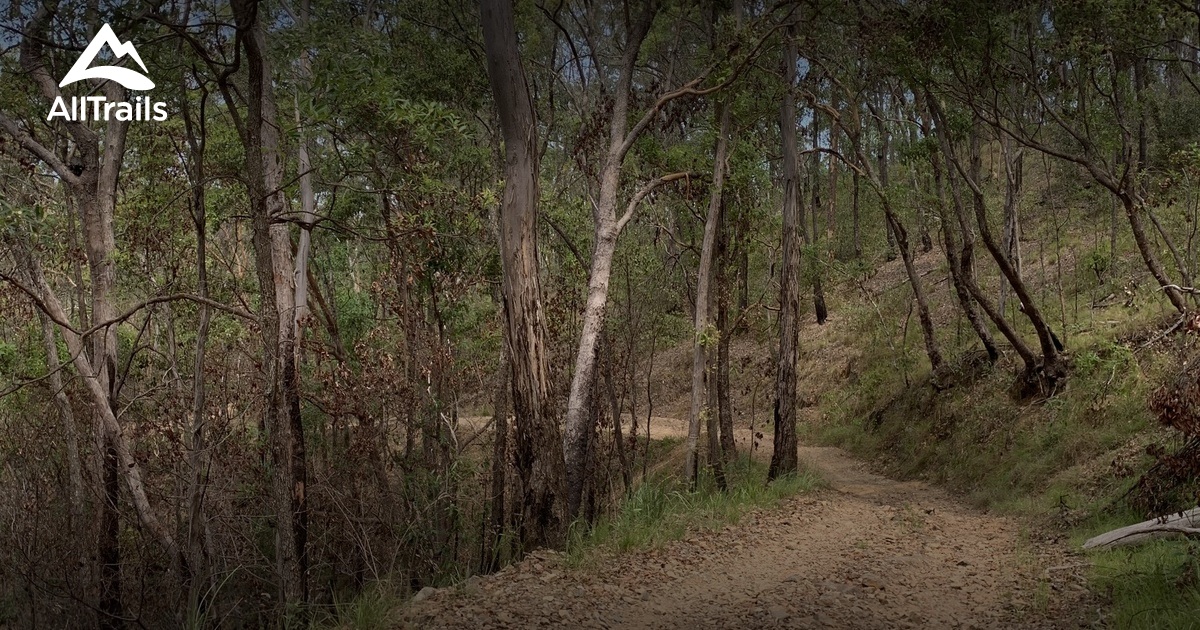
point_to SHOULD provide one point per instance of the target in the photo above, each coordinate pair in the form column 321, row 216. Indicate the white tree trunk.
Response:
column 129, row 468
column 1185, row 523
column 578, row 427
column 308, row 200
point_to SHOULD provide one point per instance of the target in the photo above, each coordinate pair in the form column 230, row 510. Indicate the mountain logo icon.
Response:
column 129, row 78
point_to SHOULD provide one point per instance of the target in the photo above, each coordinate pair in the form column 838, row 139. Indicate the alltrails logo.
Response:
column 98, row 107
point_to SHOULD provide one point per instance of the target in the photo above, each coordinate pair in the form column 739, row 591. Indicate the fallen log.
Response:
column 1184, row 523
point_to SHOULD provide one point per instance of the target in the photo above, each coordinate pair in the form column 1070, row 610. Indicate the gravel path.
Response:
column 868, row 553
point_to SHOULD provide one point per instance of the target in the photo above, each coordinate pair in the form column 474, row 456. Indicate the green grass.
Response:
column 997, row 452
column 375, row 608
column 1151, row 586
column 662, row 509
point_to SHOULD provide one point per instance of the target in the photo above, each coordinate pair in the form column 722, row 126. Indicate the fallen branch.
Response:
column 1185, row 523
column 1178, row 322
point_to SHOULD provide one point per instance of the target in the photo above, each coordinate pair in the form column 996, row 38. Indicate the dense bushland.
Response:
column 393, row 294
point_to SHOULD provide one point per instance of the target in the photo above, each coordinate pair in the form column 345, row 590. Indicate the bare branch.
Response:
column 646, row 190
column 37, row 379
column 41, row 305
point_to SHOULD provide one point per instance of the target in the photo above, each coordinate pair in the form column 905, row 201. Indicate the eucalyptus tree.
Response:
column 539, row 462
column 963, row 261
column 1051, row 368
column 810, row 235
column 960, row 257
column 399, row 159
column 87, row 160
column 1078, row 72
column 707, row 335
column 308, row 198
column 618, row 80
column 844, row 115
column 784, row 456
column 276, row 269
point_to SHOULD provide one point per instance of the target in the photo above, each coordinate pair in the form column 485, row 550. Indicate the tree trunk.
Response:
column 1185, row 523
column 198, row 462
column 901, row 238
column 1014, row 170
column 95, row 199
column 885, row 148
column 614, row 403
column 914, row 136
column 743, row 257
column 607, row 230
column 728, row 447
column 957, row 274
column 814, row 177
column 831, row 207
column 1052, row 368
column 497, row 508
column 1185, row 272
column 716, row 458
column 631, row 368
column 110, row 435
column 1133, row 212
column 918, row 289
column 705, row 334
column 966, row 259
column 538, row 458
column 308, row 199
column 785, row 457
column 578, row 426
column 91, row 184
column 276, row 270
column 814, row 237
column 854, row 211
column 1143, row 138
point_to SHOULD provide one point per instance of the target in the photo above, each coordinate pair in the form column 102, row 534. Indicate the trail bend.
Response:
column 867, row 552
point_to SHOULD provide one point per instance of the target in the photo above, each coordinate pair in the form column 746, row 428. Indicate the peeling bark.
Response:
column 542, row 515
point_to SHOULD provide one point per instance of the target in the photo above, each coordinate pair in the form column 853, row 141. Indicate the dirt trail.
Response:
column 868, row 552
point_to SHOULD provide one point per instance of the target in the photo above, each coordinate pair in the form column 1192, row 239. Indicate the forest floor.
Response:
column 865, row 552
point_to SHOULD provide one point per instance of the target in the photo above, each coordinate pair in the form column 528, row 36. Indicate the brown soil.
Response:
column 868, row 552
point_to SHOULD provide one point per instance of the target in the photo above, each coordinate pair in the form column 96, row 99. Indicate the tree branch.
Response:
column 646, row 190
column 690, row 89
column 41, row 305
column 33, row 62
column 38, row 149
